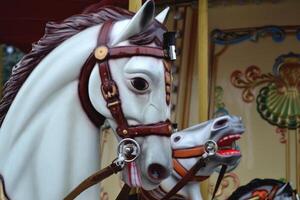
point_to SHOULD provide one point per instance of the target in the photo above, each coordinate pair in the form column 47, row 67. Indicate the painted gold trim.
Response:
column 298, row 160
column 1, row 69
column 190, row 68
column 183, row 44
column 287, row 158
column 134, row 5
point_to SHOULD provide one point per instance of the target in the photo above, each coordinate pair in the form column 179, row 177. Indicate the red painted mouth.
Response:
column 227, row 146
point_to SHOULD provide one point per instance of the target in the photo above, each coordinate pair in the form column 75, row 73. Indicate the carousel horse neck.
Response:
column 109, row 88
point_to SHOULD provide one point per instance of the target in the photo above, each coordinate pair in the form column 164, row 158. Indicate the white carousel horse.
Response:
column 188, row 147
column 48, row 143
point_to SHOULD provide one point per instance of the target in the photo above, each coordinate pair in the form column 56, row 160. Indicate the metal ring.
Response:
column 210, row 147
column 125, row 143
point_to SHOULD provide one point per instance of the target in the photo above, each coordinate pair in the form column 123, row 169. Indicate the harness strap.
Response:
column 94, row 179
column 109, row 87
column 124, row 193
column 189, row 152
column 96, row 118
column 182, row 171
column 182, row 182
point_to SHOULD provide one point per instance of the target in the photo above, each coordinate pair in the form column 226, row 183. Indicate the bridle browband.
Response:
column 101, row 56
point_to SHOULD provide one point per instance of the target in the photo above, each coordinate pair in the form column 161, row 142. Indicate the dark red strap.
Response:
column 93, row 179
column 85, row 101
column 109, row 87
column 128, row 51
column 124, row 193
column 103, row 38
column 160, row 129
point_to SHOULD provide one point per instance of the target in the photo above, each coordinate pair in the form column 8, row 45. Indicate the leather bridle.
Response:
column 184, row 154
column 204, row 151
column 109, row 89
column 101, row 56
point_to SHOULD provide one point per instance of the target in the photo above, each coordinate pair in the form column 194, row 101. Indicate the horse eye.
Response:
column 139, row 83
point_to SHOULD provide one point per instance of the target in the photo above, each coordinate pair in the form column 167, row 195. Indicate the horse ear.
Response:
column 161, row 17
column 138, row 23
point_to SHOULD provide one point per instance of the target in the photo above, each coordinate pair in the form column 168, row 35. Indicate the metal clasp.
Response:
column 129, row 149
column 109, row 94
column 210, row 147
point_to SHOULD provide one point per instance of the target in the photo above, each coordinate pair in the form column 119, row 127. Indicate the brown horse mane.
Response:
column 57, row 32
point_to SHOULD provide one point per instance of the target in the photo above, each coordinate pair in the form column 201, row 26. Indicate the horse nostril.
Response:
column 177, row 138
column 221, row 123
column 157, row 172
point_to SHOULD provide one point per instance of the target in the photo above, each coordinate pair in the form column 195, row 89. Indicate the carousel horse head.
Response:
column 265, row 189
column 103, row 64
column 189, row 145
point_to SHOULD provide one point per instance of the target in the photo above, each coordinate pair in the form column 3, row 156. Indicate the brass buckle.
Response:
column 109, row 94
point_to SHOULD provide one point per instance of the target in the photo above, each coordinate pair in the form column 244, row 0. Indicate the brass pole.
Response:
column 298, row 160
column 134, row 5
column 1, row 68
column 287, row 158
column 203, row 71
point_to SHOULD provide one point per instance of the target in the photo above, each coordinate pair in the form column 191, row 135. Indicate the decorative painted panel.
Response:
column 256, row 74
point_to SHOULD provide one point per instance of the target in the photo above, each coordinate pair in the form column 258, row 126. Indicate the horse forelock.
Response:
column 58, row 32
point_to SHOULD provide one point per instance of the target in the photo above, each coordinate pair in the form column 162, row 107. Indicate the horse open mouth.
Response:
column 227, row 145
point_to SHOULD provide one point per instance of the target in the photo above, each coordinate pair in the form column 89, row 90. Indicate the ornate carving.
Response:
column 252, row 34
column 229, row 183
column 253, row 78
column 279, row 101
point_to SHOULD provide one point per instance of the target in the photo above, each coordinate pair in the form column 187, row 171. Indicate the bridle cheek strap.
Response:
column 109, row 87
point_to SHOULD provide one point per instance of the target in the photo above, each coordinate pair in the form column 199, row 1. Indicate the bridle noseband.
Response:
column 185, row 154
column 102, row 54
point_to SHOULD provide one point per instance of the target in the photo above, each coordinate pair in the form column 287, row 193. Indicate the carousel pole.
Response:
column 135, row 5
column 203, row 71
column 1, row 68
column 297, row 160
